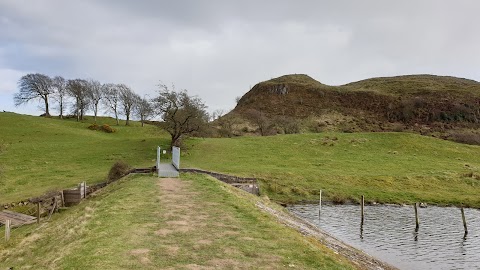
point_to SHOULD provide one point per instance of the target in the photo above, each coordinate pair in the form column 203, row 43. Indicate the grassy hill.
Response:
column 41, row 154
column 425, row 104
column 385, row 167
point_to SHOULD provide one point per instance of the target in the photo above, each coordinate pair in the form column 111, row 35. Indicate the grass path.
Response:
column 143, row 222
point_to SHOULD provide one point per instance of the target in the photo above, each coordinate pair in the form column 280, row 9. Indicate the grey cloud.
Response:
column 218, row 49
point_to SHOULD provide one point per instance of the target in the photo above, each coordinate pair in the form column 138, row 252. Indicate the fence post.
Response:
column 63, row 199
column 7, row 230
column 417, row 221
column 464, row 221
column 362, row 208
column 320, row 204
column 38, row 212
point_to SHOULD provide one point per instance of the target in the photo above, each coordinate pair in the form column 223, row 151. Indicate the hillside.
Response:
column 385, row 167
column 41, row 154
column 421, row 103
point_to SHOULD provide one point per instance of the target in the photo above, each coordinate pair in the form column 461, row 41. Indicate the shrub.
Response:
column 93, row 127
column 118, row 170
column 466, row 137
column 108, row 128
column 338, row 199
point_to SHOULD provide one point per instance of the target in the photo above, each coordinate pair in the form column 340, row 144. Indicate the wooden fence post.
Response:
column 417, row 221
column 320, row 204
column 63, row 199
column 7, row 229
column 362, row 208
column 464, row 221
column 38, row 212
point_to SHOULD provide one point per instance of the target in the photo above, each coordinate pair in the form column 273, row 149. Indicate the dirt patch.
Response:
column 140, row 251
column 170, row 185
column 225, row 263
column 142, row 255
column 173, row 250
column 178, row 222
column 204, row 242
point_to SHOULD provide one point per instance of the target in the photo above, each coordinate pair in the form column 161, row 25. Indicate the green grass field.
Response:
column 39, row 154
column 142, row 222
column 385, row 167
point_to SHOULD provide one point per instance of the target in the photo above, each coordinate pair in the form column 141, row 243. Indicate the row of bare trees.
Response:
column 181, row 114
column 85, row 95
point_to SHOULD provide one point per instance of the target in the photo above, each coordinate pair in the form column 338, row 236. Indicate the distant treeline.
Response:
column 77, row 96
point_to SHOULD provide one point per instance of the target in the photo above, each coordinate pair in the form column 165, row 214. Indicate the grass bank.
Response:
column 41, row 154
column 385, row 167
column 144, row 223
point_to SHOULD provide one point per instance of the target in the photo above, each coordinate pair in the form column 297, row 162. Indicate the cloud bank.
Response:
column 219, row 49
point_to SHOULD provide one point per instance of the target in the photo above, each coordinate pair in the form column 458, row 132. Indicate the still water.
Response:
column 389, row 233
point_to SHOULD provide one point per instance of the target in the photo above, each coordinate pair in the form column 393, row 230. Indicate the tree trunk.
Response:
column 61, row 108
column 95, row 117
column 175, row 140
column 47, row 112
column 128, row 120
column 116, row 118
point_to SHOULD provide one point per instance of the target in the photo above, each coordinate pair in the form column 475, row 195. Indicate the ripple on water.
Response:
column 389, row 233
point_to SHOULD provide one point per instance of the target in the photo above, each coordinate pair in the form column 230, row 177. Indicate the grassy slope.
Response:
column 38, row 154
column 417, row 84
column 119, row 229
column 422, row 84
column 385, row 167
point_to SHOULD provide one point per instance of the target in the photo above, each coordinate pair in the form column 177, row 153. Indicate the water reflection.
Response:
column 439, row 242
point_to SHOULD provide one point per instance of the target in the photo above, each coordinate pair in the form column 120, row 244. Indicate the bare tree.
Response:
column 227, row 124
column 181, row 113
column 144, row 109
column 95, row 94
column 288, row 125
column 60, row 93
column 260, row 120
column 112, row 98
column 127, row 99
column 34, row 86
column 78, row 89
column 217, row 114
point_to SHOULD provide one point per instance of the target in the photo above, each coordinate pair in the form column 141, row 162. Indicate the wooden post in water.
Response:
column 7, row 229
column 464, row 221
column 320, row 204
column 417, row 222
column 362, row 209
column 38, row 212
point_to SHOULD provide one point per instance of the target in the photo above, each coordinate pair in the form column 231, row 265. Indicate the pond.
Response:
column 388, row 233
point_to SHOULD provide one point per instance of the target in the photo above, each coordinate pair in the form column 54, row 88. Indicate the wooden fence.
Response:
column 247, row 184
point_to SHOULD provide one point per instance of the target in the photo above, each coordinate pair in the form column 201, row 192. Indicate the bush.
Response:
column 466, row 137
column 108, row 128
column 338, row 199
column 93, row 127
column 118, row 170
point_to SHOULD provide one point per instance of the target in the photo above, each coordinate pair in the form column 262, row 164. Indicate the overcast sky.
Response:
column 218, row 49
